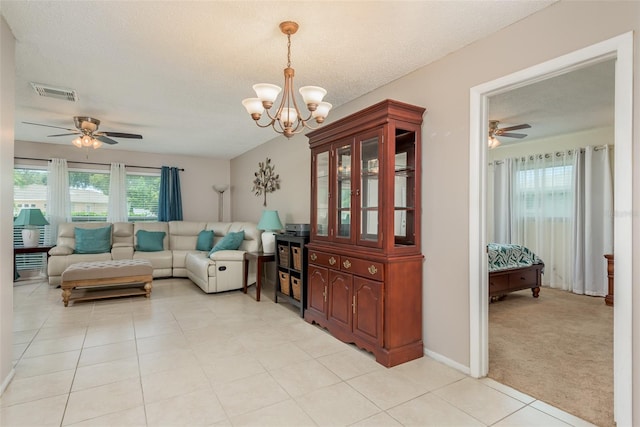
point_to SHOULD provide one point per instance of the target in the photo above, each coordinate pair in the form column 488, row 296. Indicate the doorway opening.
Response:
column 619, row 48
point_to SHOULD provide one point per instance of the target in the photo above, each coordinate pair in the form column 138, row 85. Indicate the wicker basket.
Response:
column 297, row 257
column 284, row 282
column 283, row 256
column 295, row 287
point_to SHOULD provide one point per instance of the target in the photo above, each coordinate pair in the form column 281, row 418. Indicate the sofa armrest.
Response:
column 60, row 250
column 232, row 255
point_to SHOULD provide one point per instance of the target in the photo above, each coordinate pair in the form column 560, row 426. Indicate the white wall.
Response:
column 199, row 200
column 7, row 91
column 443, row 88
column 292, row 162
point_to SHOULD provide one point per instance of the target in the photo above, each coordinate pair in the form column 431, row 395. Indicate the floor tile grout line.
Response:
column 144, row 403
column 75, row 372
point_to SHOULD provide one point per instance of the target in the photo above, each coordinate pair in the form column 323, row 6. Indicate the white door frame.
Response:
column 619, row 48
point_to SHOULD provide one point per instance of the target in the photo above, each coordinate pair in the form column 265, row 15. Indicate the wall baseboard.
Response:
column 449, row 362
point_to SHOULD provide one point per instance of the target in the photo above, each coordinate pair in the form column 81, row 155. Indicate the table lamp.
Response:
column 30, row 218
column 269, row 222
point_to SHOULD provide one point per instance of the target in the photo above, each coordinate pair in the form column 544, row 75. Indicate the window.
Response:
column 545, row 192
column 89, row 191
column 143, row 192
column 90, row 196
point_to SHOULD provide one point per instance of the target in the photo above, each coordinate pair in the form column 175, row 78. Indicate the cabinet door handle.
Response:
column 354, row 304
column 346, row 263
column 372, row 269
column 332, row 261
column 324, row 294
column 313, row 256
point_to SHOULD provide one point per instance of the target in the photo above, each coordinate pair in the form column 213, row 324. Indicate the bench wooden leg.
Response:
column 147, row 288
column 66, row 293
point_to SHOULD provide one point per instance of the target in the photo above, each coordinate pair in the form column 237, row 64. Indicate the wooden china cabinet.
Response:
column 364, row 259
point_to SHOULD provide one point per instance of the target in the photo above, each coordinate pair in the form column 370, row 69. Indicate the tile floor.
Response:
column 187, row 358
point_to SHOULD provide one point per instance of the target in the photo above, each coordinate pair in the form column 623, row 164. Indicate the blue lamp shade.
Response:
column 269, row 221
column 29, row 219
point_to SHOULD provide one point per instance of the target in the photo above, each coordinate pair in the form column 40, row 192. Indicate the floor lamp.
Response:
column 220, row 189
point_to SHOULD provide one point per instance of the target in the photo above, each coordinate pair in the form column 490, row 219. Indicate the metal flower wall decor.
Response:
column 266, row 180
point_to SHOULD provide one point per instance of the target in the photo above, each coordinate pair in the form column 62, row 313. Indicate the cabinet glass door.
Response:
column 404, row 212
column 322, row 194
column 369, row 190
column 343, row 191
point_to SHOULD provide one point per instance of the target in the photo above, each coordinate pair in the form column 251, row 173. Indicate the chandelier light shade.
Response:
column 287, row 119
column 30, row 219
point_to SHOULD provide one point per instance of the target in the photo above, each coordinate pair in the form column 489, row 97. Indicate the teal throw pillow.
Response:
column 150, row 241
column 230, row 242
column 205, row 240
column 93, row 240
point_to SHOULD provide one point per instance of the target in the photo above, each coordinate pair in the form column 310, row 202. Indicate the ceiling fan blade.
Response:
column 122, row 135
column 513, row 135
column 516, row 127
column 49, row 126
column 104, row 139
column 65, row 134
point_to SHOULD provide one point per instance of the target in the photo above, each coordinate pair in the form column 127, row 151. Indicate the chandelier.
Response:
column 287, row 120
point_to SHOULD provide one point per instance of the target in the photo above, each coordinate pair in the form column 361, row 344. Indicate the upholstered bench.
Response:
column 112, row 277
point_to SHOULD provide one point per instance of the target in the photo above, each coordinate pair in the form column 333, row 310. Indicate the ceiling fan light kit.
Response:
column 287, row 120
column 495, row 131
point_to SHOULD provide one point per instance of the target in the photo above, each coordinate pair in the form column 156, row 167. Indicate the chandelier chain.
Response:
column 288, row 50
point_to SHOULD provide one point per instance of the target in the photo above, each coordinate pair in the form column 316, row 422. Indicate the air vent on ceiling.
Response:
column 55, row 92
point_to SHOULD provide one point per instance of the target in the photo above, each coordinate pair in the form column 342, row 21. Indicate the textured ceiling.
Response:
column 176, row 71
column 577, row 101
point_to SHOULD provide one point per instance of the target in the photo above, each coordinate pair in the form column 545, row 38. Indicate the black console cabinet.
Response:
column 291, row 262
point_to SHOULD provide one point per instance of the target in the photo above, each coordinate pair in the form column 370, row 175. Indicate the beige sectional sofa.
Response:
column 222, row 271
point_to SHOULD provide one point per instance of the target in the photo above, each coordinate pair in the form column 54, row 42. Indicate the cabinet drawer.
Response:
column 324, row 259
column 523, row 279
column 498, row 284
column 362, row 267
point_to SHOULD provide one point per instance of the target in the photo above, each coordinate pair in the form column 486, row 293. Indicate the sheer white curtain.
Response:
column 58, row 197
column 593, row 227
column 560, row 205
column 542, row 214
column 117, row 210
column 502, row 178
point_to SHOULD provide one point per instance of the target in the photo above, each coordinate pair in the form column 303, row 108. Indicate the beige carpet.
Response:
column 557, row 348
